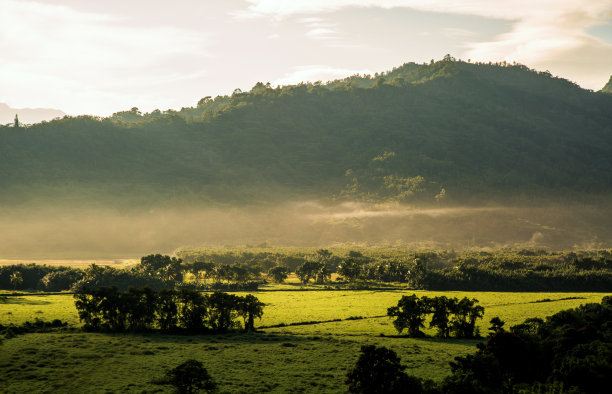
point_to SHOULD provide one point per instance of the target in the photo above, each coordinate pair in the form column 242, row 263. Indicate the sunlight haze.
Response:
column 91, row 57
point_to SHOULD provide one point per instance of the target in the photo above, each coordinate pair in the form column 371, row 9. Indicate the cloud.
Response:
column 94, row 56
column 317, row 73
column 456, row 33
column 320, row 33
column 549, row 34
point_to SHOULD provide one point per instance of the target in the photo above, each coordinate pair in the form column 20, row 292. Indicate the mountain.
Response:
column 479, row 131
column 608, row 87
column 27, row 115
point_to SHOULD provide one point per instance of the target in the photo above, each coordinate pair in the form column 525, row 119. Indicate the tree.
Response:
column 16, row 279
column 222, row 310
column 378, row 370
column 167, row 310
column 249, row 307
column 409, row 313
column 307, row 270
column 279, row 273
column 190, row 377
column 441, row 308
column 418, row 273
column 192, row 311
column 466, row 312
column 139, row 306
column 164, row 267
column 16, row 124
column 201, row 269
column 350, row 269
column 497, row 325
column 323, row 273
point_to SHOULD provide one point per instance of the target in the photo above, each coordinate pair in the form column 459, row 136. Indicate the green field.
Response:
column 294, row 358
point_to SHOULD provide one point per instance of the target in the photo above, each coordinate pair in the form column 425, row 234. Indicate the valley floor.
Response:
column 310, row 357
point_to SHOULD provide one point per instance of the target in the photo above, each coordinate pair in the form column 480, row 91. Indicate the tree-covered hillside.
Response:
column 474, row 130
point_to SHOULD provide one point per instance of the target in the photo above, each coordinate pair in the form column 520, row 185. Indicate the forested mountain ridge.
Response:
column 476, row 130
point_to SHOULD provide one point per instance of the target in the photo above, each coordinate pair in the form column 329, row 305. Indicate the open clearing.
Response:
column 291, row 358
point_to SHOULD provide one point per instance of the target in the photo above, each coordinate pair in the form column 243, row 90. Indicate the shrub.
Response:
column 190, row 377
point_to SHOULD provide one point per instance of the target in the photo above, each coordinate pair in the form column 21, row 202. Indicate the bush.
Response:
column 61, row 280
column 190, row 377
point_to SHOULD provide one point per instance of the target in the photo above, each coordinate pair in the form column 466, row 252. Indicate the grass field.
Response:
column 294, row 358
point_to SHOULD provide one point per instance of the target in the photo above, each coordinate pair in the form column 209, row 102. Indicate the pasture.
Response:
column 311, row 339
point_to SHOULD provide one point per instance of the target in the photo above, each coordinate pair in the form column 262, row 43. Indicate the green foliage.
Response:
column 61, row 280
column 485, row 131
column 571, row 349
column 136, row 310
column 38, row 325
column 38, row 277
column 279, row 273
column 497, row 324
column 378, row 183
column 411, row 312
column 96, row 276
column 190, row 377
column 16, row 279
column 378, row 370
column 468, row 270
column 164, row 267
column 608, row 87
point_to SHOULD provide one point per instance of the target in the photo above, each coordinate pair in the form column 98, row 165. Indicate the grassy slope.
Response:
column 305, row 358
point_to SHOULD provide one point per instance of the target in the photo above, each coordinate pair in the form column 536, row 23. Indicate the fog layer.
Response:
column 106, row 234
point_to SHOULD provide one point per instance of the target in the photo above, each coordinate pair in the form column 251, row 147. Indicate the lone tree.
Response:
column 378, row 370
column 190, row 377
column 16, row 124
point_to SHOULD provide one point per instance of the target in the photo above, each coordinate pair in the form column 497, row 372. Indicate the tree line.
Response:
column 504, row 270
column 136, row 310
column 450, row 316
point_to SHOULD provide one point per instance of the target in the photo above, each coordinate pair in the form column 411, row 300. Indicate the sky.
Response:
column 100, row 57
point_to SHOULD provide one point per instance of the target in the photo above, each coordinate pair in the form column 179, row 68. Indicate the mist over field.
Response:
column 52, row 233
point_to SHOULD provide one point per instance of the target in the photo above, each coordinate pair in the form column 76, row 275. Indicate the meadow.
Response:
column 307, row 341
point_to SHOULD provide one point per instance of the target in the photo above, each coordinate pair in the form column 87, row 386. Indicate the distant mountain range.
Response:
column 27, row 115
column 478, row 131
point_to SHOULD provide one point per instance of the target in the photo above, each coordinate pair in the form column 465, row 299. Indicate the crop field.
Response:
column 308, row 341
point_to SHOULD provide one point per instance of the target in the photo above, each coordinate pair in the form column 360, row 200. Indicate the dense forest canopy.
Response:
column 466, row 130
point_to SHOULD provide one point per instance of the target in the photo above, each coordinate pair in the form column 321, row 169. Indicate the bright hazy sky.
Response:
column 99, row 57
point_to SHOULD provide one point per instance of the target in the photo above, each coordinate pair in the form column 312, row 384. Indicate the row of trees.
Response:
column 569, row 352
column 450, row 316
column 108, row 309
column 470, row 271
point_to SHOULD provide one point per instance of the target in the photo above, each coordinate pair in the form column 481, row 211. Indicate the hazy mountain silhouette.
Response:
column 28, row 115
